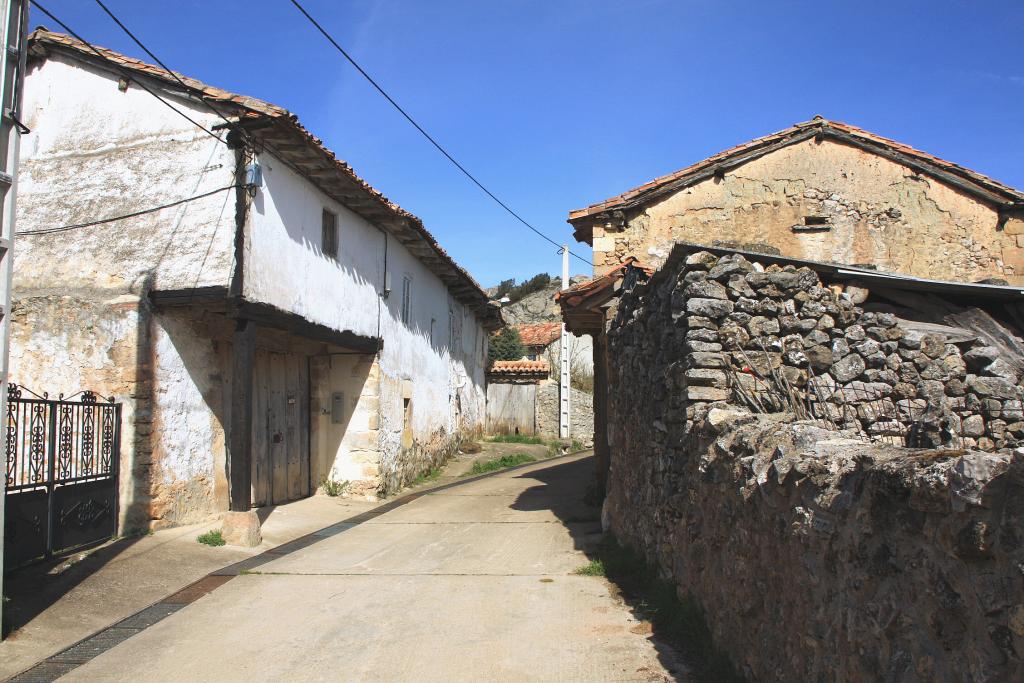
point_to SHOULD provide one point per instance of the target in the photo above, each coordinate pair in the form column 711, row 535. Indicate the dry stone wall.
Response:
column 775, row 338
column 818, row 553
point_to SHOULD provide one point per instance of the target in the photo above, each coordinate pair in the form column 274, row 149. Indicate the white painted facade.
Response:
column 83, row 317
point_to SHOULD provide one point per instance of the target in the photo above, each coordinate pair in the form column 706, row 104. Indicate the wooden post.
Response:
column 239, row 458
column 602, row 452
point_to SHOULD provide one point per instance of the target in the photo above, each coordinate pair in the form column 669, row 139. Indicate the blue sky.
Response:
column 556, row 105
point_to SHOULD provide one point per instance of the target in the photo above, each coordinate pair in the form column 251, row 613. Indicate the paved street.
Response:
column 470, row 582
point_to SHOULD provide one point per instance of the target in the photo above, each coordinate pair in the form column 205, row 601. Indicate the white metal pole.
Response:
column 565, row 357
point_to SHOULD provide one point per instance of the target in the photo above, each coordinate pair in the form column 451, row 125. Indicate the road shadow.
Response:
column 34, row 588
column 563, row 489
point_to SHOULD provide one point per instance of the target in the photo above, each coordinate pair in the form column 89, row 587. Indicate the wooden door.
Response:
column 280, row 425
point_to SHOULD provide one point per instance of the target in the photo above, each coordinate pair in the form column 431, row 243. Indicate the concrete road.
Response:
column 472, row 582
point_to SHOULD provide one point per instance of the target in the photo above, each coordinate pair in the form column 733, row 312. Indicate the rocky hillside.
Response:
column 538, row 307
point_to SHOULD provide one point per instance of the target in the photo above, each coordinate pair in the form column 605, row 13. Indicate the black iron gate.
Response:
column 62, row 463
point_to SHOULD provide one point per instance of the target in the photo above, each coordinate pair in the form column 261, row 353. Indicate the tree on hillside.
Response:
column 516, row 292
column 506, row 345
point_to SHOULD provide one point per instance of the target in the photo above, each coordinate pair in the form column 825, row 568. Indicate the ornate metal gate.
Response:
column 62, row 464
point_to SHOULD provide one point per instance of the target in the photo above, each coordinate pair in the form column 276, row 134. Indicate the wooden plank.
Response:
column 278, row 448
column 293, row 445
column 261, row 444
column 304, row 428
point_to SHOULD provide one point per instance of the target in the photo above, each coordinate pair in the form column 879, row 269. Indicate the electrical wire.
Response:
column 425, row 134
column 124, row 72
column 103, row 221
column 231, row 124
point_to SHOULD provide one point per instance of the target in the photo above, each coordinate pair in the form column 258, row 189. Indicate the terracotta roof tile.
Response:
column 578, row 293
column 539, row 334
column 520, row 367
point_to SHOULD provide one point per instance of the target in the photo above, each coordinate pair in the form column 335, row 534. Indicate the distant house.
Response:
column 543, row 341
column 290, row 325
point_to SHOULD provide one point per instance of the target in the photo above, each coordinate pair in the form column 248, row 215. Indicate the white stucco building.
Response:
column 280, row 330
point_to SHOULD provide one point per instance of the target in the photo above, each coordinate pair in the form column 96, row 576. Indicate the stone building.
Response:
column 284, row 324
column 824, row 191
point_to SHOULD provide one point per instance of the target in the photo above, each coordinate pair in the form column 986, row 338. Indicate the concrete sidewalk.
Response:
column 470, row 582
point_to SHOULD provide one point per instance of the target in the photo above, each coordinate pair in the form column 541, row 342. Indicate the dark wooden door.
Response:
column 280, row 425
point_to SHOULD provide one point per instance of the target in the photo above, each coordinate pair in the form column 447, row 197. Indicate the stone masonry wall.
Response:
column 775, row 338
column 581, row 407
column 818, row 554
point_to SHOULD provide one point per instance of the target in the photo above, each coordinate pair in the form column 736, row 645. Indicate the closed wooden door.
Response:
column 280, row 428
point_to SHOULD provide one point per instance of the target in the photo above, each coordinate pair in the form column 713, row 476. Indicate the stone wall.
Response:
column 817, row 553
column 819, row 557
column 774, row 338
column 581, row 407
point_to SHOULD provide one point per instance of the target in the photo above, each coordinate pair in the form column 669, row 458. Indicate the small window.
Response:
column 329, row 236
column 406, row 298
column 814, row 224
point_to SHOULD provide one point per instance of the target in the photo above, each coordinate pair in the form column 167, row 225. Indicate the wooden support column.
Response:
column 602, row 453
column 239, row 458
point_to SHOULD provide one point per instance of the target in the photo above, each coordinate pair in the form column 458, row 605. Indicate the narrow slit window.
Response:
column 406, row 298
column 815, row 220
column 329, row 236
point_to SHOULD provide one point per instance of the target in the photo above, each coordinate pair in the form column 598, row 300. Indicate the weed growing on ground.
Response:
column 514, row 438
column 482, row 467
column 592, row 568
column 678, row 621
column 576, row 445
column 430, row 475
column 332, row 487
column 211, row 538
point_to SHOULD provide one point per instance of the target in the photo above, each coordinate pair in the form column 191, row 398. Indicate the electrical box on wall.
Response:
column 337, row 407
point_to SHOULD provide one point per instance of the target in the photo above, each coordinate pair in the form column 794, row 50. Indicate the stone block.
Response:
column 709, row 308
column 696, row 393
column 706, row 377
column 242, row 529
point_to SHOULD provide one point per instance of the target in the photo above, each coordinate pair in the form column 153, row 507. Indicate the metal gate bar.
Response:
column 62, row 460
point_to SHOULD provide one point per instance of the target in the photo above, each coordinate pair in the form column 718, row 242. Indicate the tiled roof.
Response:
column 539, row 334
column 520, row 367
column 901, row 153
column 254, row 112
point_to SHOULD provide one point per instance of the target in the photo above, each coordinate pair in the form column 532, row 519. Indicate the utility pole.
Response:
column 565, row 390
column 13, row 31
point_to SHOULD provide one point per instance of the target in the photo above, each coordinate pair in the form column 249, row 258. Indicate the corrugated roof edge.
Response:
column 41, row 38
column 849, row 273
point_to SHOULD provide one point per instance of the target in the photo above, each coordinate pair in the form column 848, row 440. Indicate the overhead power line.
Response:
column 424, row 133
column 126, row 73
column 172, row 74
column 112, row 219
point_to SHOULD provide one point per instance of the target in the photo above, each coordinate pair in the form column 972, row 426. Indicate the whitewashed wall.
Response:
column 285, row 267
column 96, row 152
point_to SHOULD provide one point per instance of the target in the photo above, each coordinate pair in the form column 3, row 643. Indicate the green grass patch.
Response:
column 680, row 622
column 332, row 487
column 212, row 538
column 484, row 466
column 514, row 438
column 592, row 568
column 430, row 475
